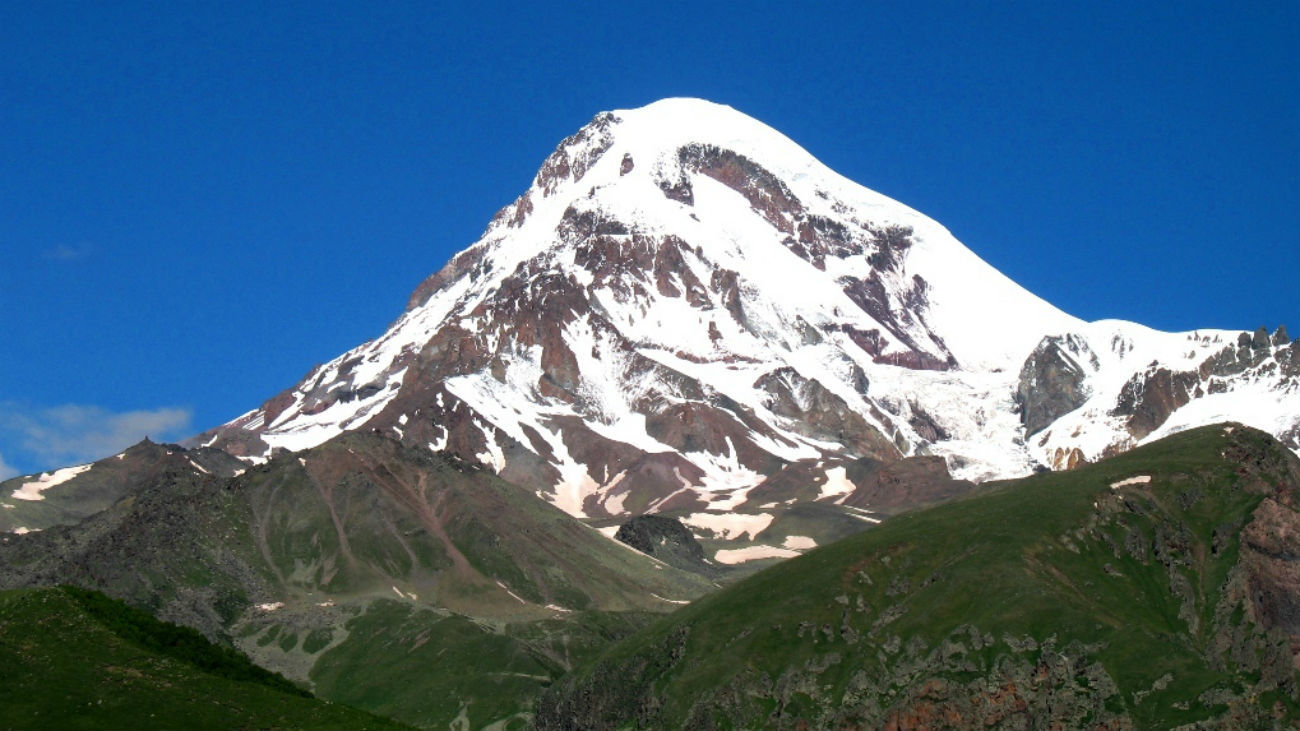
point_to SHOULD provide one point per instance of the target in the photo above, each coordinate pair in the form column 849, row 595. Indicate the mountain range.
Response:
column 690, row 351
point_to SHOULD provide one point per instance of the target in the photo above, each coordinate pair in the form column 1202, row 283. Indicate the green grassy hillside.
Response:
column 1057, row 600
column 71, row 659
column 321, row 563
column 437, row 670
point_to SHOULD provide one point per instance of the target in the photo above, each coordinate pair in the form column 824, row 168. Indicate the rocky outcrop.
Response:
column 666, row 539
column 816, row 412
column 767, row 193
column 576, row 154
column 1250, row 352
column 1272, row 562
column 1053, row 380
column 1067, row 459
column 1152, row 395
column 896, row 303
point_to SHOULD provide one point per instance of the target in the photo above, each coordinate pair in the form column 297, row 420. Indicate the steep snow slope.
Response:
column 685, row 306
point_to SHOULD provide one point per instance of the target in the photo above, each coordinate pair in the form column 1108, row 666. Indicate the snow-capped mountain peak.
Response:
column 686, row 309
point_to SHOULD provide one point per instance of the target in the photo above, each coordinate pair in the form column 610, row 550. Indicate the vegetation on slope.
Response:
column 71, row 659
column 1054, row 600
column 180, row 643
column 436, row 670
column 362, row 551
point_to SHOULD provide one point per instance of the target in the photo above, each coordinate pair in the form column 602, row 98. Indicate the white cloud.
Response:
column 75, row 433
column 6, row 471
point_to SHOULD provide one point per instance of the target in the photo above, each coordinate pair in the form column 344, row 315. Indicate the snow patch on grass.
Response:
column 752, row 553
column 799, row 543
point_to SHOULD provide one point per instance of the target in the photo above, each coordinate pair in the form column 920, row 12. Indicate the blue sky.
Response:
column 200, row 202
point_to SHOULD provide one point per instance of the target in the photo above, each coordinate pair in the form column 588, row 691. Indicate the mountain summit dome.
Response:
column 686, row 310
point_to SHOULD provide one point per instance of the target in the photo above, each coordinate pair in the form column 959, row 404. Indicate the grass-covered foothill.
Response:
column 500, row 592
column 72, row 659
column 1053, row 600
column 179, row 643
column 439, row 670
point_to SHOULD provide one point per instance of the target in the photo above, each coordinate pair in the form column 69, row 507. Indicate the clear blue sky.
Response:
column 198, row 202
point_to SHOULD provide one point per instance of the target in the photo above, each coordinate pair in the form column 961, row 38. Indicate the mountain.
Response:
column 66, row 496
column 685, row 316
column 685, row 308
column 77, row 659
column 1156, row 589
column 361, row 568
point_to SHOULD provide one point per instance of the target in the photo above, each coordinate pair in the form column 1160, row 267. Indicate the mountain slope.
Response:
column 313, row 562
column 66, row 496
column 73, row 660
column 685, row 305
column 1154, row 589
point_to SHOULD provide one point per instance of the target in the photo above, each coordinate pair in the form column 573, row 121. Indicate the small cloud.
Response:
column 6, row 471
column 65, row 252
column 76, row 434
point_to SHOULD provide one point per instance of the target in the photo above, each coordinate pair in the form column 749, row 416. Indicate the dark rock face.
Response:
column 816, row 412
column 666, row 539
column 575, row 155
column 1053, row 381
column 888, row 245
column 1250, row 352
column 468, row 263
column 1288, row 359
column 678, row 190
column 925, row 425
column 1150, row 397
column 814, row 238
column 1272, row 543
column 765, row 192
column 1261, row 340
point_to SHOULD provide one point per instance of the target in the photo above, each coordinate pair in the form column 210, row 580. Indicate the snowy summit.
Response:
column 687, row 310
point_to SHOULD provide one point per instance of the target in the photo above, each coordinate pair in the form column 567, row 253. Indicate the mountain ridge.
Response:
column 1156, row 589
column 369, row 571
column 684, row 304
